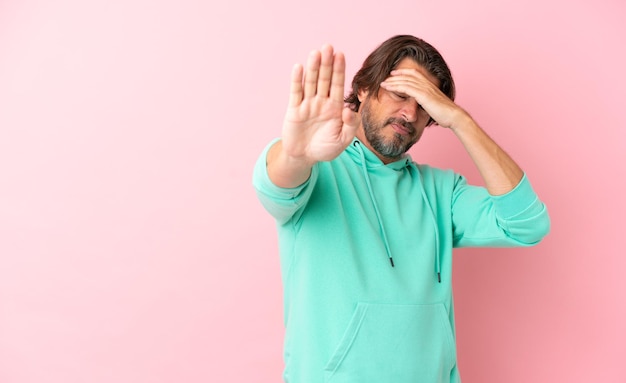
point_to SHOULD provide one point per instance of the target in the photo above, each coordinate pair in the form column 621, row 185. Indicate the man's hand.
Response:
column 317, row 125
column 500, row 173
column 416, row 85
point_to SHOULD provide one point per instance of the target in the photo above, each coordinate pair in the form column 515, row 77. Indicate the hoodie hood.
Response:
column 361, row 154
column 368, row 160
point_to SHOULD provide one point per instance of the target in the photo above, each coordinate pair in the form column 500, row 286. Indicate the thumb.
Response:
column 351, row 121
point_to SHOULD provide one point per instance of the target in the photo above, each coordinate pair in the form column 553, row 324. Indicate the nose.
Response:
column 409, row 110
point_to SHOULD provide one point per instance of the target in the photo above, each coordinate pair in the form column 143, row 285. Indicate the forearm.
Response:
column 285, row 171
column 500, row 173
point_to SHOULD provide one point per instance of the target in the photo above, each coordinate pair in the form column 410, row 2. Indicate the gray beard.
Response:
column 392, row 148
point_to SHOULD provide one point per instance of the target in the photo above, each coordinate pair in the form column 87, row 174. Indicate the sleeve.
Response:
column 517, row 218
column 283, row 204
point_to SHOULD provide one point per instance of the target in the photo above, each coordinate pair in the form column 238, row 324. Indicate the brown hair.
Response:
column 387, row 56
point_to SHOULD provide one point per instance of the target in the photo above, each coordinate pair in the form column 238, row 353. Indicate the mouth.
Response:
column 401, row 129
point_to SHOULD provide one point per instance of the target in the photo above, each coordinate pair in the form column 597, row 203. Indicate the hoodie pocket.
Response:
column 394, row 343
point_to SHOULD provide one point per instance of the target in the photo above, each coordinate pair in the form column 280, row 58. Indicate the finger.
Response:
column 312, row 70
column 403, row 79
column 406, row 85
column 338, row 78
column 400, row 87
column 415, row 76
column 326, row 70
column 295, row 91
column 351, row 122
column 407, row 72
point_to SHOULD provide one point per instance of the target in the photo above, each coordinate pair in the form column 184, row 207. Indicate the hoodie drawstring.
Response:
column 371, row 193
column 432, row 217
column 357, row 144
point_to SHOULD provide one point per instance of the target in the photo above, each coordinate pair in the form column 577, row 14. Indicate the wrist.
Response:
column 296, row 162
column 463, row 123
column 279, row 154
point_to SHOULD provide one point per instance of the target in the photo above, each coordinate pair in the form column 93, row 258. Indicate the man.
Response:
column 366, row 234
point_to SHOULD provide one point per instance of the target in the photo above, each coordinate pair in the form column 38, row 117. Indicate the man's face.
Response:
column 393, row 122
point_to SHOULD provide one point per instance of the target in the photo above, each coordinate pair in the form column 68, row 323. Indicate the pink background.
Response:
column 132, row 246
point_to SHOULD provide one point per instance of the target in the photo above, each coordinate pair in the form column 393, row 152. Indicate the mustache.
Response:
column 399, row 121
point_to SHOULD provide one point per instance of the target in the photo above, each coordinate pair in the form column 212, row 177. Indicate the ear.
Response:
column 362, row 95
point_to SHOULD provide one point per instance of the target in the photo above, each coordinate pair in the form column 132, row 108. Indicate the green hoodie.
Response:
column 366, row 261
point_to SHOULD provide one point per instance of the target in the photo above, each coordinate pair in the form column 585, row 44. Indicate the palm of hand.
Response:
column 313, row 129
column 317, row 126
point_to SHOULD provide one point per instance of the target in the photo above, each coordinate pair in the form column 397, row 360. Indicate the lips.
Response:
column 401, row 129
